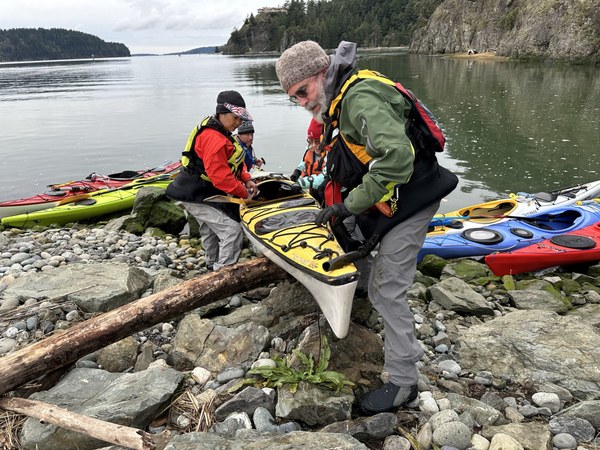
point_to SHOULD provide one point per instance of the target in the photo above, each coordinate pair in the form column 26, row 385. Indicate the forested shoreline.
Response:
column 35, row 44
column 539, row 30
column 379, row 23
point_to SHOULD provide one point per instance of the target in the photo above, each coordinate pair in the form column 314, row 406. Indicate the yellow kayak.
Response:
column 88, row 206
column 517, row 205
column 284, row 230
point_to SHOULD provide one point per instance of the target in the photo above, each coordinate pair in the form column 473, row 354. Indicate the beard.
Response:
column 321, row 100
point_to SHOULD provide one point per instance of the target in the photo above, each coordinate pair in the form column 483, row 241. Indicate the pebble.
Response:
column 564, row 441
column 263, row 362
column 235, row 301
column 288, row 427
column 263, row 420
column 547, row 400
column 201, row 375
column 395, row 442
column 450, row 366
column 229, row 374
column 427, row 403
column 478, row 442
column 502, row 441
column 452, row 434
column 40, row 250
column 528, row 410
column 442, row 417
column 6, row 345
column 11, row 332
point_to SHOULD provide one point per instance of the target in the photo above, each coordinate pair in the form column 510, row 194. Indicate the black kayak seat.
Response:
column 55, row 193
column 120, row 176
column 573, row 241
column 545, row 196
column 84, row 202
column 125, row 175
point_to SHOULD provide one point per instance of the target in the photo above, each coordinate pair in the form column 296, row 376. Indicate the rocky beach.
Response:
column 510, row 363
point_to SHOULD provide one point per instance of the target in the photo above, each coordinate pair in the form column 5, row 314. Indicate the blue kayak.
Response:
column 514, row 233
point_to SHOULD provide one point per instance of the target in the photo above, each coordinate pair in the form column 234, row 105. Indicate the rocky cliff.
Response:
column 540, row 29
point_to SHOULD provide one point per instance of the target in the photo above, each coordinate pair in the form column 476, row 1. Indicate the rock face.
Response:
column 540, row 345
column 565, row 29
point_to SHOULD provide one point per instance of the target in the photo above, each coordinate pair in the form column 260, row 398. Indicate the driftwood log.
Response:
column 99, row 429
column 67, row 347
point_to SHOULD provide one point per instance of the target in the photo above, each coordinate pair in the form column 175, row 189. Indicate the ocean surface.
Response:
column 510, row 126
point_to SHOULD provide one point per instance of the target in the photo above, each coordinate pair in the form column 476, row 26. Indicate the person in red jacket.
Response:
column 213, row 164
column 310, row 173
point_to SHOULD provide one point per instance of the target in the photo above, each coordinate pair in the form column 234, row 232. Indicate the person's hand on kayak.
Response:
column 294, row 176
column 252, row 189
column 337, row 210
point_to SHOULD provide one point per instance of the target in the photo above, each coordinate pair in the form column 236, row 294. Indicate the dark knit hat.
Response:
column 232, row 101
column 245, row 128
column 299, row 62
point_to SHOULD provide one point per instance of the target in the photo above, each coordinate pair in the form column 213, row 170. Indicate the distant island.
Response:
column 198, row 51
column 38, row 44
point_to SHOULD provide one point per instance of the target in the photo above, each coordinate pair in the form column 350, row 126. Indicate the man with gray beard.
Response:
column 391, row 187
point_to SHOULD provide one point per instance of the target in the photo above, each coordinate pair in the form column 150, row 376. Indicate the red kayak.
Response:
column 580, row 246
column 59, row 194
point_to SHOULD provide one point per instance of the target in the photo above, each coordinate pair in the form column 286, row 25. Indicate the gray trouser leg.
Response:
column 221, row 236
column 210, row 243
column 391, row 275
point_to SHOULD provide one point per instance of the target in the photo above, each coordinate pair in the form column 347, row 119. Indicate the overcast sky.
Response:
column 144, row 26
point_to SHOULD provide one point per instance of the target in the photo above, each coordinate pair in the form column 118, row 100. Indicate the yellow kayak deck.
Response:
column 284, row 230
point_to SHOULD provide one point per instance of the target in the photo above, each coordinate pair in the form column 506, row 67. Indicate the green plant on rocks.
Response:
column 509, row 283
column 309, row 371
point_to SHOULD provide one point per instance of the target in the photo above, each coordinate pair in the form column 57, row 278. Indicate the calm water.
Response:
column 510, row 126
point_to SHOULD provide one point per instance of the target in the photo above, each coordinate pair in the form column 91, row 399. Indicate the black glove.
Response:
column 294, row 176
column 296, row 188
column 337, row 210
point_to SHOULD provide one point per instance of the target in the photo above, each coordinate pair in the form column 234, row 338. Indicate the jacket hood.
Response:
column 343, row 64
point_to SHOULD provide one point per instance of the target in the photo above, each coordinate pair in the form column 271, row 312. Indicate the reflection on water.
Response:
column 28, row 81
column 510, row 126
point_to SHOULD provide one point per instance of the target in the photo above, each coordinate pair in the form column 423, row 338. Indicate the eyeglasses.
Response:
column 313, row 141
column 300, row 93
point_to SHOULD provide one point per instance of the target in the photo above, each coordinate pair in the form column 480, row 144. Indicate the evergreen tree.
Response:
column 30, row 44
column 376, row 23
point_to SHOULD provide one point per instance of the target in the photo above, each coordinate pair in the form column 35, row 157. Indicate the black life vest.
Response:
column 192, row 184
column 347, row 163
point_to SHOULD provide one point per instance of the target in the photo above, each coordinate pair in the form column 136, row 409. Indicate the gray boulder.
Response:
column 92, row 287
column 127, row 399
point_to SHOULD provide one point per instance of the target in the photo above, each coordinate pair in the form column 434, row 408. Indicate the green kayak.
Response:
column 88, row 206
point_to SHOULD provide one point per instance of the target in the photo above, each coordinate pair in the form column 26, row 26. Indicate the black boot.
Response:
column 387, row 398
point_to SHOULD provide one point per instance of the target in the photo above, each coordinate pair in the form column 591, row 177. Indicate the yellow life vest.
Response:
column 359, row 151
column 192, row 162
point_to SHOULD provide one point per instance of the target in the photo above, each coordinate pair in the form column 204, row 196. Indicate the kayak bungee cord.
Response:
column 301, row 238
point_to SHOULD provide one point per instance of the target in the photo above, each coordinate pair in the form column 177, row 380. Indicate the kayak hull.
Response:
column 521, row 204
column 64, row 192
column 285, row 232
column 87, row 206
column 575, row 247
column 511, row 234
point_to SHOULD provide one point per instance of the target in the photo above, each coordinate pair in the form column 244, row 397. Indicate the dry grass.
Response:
column 201, row 416
column 10, row 426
